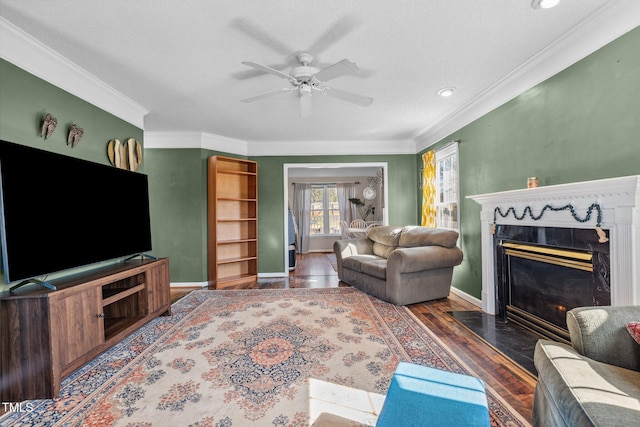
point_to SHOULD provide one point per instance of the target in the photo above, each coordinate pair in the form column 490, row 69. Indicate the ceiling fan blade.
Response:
column 269, row 70
column 336, row 70
column 338, row 30
column 354, row 98
column 249, row 74
column 267, row 94
column 306, row 107
column 255, row 32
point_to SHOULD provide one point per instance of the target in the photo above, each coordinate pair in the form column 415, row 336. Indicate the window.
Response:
column 447, row 189
column 325, row 215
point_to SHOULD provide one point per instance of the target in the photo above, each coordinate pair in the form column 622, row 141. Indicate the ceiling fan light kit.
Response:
column 307, row 79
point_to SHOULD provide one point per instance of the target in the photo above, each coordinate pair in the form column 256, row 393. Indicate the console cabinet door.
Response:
column 78, row 324
column 158, row 288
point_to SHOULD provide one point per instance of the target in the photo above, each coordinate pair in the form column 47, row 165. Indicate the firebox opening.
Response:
column 544, row 272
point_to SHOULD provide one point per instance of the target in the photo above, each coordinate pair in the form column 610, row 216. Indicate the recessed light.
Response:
column 544, row 4
column 446, row 91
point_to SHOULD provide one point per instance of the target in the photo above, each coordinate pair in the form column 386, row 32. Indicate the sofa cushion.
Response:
column 382, row 250
column 376, row 268
column 386, row 234
column 355, row 262
column 584, row 392
column 415, row 235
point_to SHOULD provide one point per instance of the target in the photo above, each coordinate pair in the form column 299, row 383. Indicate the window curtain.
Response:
column 301, row 211
column 429, row 189
column 346, row 208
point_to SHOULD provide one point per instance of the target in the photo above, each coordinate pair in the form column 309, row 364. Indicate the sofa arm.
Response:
column 350, row 247
column 600, row 333
column 410, row 260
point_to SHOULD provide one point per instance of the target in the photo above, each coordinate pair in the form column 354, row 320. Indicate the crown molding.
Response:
column 199, row 140
column 322, row 148
column 24, row 51
column 608, row 23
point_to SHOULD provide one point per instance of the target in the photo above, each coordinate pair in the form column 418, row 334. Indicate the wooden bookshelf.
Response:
column 232, row 221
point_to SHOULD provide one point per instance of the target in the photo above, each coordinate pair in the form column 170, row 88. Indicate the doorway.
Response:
column 322, row 172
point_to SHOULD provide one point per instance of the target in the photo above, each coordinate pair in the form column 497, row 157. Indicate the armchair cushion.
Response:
column 600, row 334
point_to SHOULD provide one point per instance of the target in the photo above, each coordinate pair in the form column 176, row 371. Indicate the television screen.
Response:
column 59, row 212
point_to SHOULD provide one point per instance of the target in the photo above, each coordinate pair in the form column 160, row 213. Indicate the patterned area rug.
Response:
column 248, row 357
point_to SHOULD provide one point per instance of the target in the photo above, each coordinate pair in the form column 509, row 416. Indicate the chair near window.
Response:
column 358, row 223
column 344, row 229
column 373, row 225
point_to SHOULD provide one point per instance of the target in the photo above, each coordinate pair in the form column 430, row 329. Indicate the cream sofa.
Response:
column 400, row 265
column 594, row 382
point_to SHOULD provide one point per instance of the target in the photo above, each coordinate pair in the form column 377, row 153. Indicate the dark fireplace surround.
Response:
column 542, row 272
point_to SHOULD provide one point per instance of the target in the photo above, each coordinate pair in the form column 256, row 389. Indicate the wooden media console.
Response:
column 45, row 334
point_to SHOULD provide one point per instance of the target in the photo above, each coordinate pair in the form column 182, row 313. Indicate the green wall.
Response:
column 25, row 99
column 582, row 124
column 178, row 204
column 403, row 180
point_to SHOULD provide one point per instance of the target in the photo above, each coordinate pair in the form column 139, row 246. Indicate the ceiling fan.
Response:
column 307, row 80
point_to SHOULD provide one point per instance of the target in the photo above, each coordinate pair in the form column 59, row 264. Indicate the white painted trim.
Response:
column 619, row 199
column 611, row 21
column 188, row 284
column 24, row 51
column 200, row 140
column 322, row 148
column 465, row 296
column 276, row 274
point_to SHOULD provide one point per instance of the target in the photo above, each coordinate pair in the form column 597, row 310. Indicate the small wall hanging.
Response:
column 75, row 135
column 125, row 156
column 48, row 126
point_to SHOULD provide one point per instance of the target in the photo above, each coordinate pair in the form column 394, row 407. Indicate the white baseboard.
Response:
column 188, row 284
column 276, row 274
column 465, row 296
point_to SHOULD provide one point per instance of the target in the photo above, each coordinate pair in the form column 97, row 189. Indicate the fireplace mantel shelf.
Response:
column 619, row 199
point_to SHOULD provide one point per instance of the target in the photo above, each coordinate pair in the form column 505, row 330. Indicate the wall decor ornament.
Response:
column 75, row 135
column 125, row 156
column 527, row 210
column 48, row 126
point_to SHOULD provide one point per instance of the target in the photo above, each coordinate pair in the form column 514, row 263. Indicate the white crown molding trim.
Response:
column 320, row 148
column 200, row 140
column 611, row 21
column 24, row 51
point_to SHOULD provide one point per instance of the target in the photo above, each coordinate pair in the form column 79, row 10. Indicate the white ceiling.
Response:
column 181, row 59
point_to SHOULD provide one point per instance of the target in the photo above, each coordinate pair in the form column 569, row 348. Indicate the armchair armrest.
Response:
column 409, row 260
column 600, row 333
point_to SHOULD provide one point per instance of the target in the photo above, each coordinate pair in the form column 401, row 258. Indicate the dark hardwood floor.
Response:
column 514, row 383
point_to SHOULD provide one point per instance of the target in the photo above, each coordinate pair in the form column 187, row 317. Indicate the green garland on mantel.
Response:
column 527, row 210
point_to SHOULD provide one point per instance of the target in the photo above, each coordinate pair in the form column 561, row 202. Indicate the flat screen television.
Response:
column 58, row 212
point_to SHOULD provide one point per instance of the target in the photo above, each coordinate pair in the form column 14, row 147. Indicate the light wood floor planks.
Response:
column 512, row 382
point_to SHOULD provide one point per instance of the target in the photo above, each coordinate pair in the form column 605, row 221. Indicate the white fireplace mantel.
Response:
column 619, row 199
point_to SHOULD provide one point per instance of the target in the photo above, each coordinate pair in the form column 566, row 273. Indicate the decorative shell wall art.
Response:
column 75, row 135
column 134, row 154
column 48, row 126
column 125, row 156
column 115, row 152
